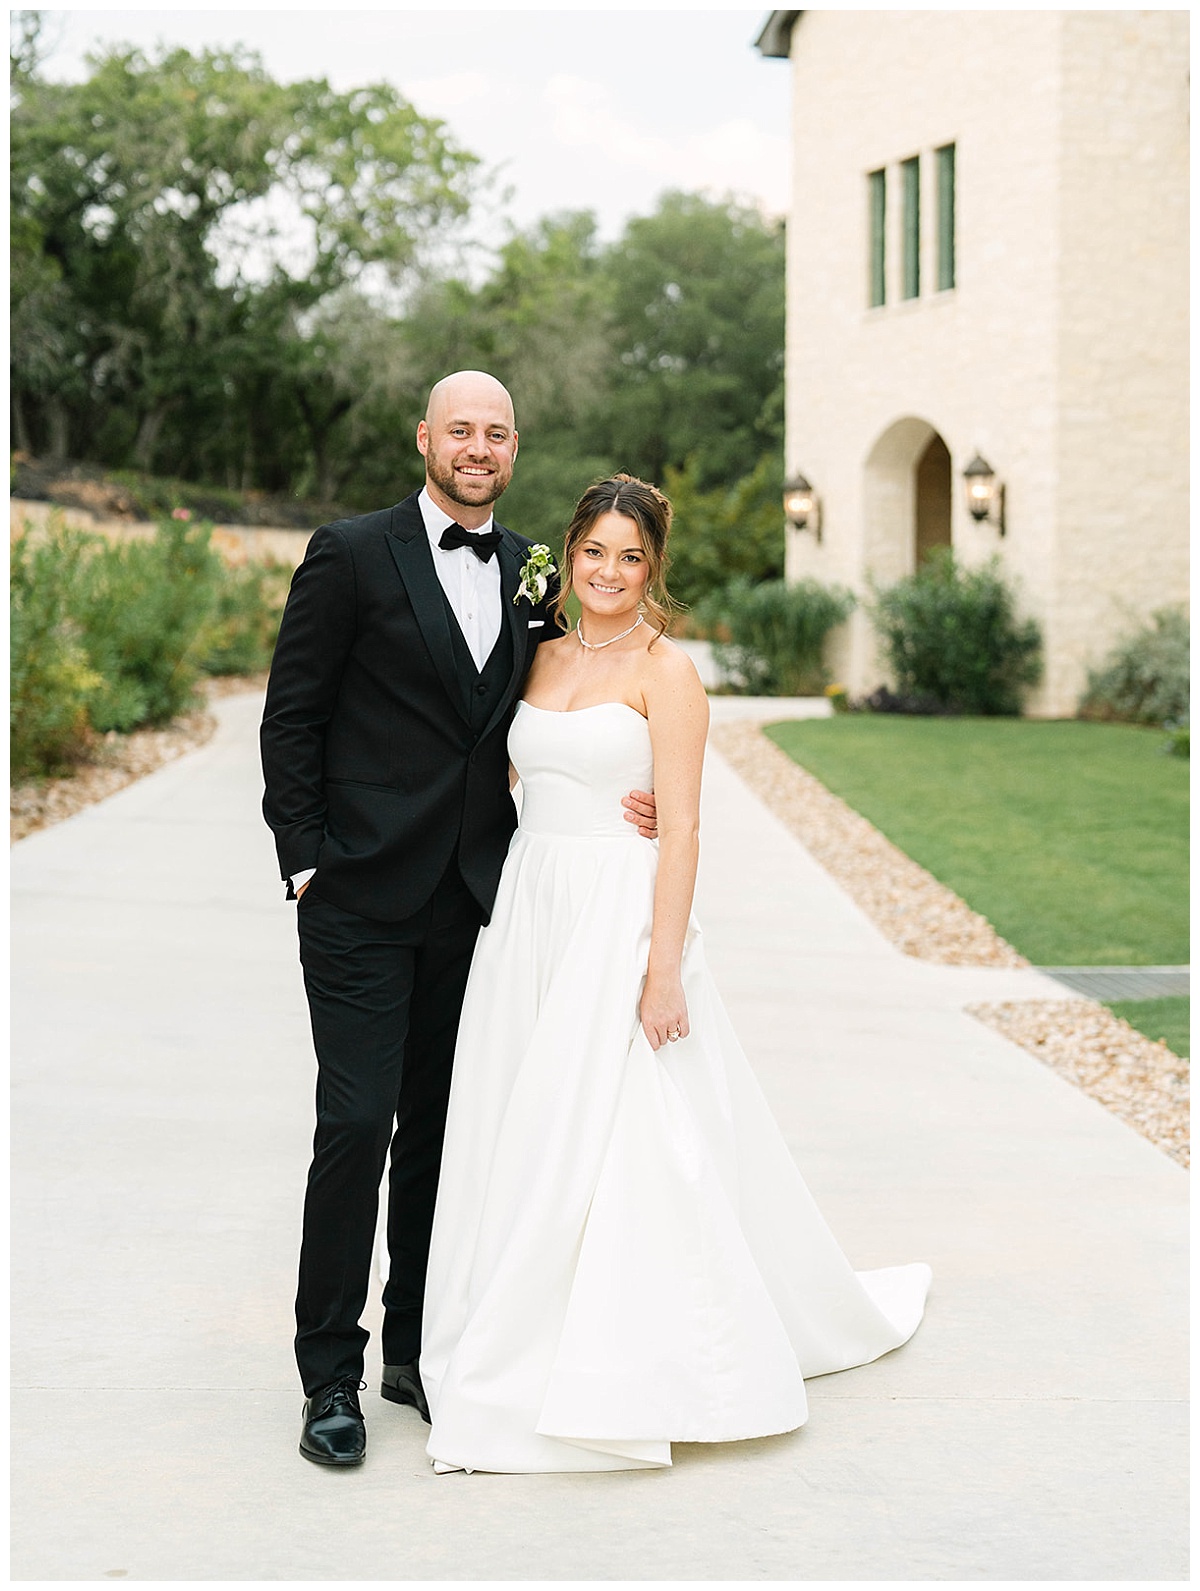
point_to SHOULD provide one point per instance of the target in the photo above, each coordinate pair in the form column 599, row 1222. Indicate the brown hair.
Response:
column 651, row 512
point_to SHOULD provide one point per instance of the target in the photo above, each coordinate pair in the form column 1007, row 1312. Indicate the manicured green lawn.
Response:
column 1168, row 1019
column 1071, row 838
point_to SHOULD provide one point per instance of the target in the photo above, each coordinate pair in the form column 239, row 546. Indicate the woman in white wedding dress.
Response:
column 624, row 1253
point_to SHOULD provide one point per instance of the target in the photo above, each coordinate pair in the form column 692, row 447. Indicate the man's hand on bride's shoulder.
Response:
column 642, row 811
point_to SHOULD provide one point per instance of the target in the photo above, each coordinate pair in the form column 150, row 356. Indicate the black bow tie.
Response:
column 482, row 543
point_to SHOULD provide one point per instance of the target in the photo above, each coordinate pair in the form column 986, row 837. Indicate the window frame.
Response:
column 910, row 228
column 947, row 243
column 877, row 238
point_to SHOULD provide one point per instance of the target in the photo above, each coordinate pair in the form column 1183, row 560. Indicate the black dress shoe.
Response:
column 402, row 1384
column 334, row 1431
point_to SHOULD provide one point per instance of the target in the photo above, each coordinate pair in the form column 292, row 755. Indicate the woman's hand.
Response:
column 663, row 1012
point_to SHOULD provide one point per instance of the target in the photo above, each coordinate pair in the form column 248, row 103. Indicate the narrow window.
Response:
column 945, row 216
column 910, row 175
column 877, row 201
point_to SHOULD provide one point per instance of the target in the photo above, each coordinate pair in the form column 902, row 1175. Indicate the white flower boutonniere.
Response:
column 535, row 574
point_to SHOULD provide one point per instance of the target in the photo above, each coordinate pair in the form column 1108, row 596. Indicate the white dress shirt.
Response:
column 472, row 589
column 472, row 586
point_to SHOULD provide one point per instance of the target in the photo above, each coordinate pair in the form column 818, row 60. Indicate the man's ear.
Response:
column 422, row 438
column 514, row 444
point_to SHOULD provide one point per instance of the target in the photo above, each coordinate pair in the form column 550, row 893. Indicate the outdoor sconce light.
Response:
column 985, row 494
column 801, row 506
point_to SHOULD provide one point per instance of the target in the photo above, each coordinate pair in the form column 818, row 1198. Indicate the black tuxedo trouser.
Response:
column 385, row 1000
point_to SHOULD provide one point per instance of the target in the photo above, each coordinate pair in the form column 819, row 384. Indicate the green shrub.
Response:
column 769, row 638
column 1144, row 679
column 953, row 640
column 716, row 535
column 143, row 607
column 239, row 637
column 52, row 683
column 116, row 635
column 1179, row 739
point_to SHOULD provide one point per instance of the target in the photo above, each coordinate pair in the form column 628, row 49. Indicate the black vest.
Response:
column 481, row 687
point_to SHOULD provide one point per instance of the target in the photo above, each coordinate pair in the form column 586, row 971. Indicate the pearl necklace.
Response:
column 598, row 646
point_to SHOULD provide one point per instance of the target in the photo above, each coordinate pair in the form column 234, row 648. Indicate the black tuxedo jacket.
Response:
column 375, row 774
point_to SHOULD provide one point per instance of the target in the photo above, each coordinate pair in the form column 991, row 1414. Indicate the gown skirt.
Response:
column 624, row 1253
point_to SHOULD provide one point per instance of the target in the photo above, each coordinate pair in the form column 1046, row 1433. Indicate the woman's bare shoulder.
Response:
column 670, row 663
column 670, row 677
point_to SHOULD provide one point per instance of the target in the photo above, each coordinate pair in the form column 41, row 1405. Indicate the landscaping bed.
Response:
column 1125, row 1067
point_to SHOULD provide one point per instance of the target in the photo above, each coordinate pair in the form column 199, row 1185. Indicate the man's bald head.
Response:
column 473, row 387
column 468, row 439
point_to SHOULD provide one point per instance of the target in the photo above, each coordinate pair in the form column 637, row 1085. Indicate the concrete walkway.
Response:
column 1032, row 1430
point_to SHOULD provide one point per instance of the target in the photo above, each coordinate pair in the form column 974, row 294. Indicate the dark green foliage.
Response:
column 116, row 635
column 731, row 530
column 1179, row 740
column 953, row 638
column 52, row 683
column 239, row 636
column 157, row 496
column 697, row 323
column 142, row 607
column 158, row 329
column 144, row 326
column 1145, row 678
column 775, row 633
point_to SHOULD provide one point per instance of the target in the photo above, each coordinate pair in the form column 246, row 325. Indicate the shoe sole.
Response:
column 335, row 1463
column 396, row 1395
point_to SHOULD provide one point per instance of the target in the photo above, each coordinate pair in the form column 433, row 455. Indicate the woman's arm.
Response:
column 677, row 710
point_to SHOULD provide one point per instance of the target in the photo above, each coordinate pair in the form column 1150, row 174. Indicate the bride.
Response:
column 624, row 1254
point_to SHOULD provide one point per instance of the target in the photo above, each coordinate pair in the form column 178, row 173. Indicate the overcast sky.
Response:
column 579, row 109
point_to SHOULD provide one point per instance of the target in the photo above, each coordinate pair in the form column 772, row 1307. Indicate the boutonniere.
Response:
column 535, row 574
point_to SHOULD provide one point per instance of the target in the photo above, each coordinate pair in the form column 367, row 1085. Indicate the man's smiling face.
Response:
column 469, row 441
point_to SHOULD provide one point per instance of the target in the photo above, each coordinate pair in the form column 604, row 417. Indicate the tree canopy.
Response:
column 236, row 281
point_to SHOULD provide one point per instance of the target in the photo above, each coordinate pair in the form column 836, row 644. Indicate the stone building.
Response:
column 988, row 265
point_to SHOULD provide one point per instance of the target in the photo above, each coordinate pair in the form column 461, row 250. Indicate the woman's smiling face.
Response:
column 609, row 569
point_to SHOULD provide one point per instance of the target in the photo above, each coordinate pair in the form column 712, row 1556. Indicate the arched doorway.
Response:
column 933, row 499
column 906, row 499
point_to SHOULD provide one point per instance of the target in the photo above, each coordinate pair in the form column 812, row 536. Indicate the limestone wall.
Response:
column 997, row 364
column 1122, row 506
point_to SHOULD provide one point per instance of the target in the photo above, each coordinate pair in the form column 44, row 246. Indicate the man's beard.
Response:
column 444, row 478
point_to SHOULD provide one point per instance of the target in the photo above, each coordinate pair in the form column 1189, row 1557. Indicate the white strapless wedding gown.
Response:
column 624, row 1254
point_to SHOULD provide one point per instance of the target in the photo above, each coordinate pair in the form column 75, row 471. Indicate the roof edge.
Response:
column 774, row 42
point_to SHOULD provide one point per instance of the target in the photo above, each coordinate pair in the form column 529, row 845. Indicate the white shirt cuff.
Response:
column 301, row 878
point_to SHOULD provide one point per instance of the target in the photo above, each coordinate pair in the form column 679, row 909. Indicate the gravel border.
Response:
column 917, row 913
column 1138, row 1079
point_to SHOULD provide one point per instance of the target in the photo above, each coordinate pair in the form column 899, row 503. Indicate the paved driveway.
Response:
column 1033, row 1429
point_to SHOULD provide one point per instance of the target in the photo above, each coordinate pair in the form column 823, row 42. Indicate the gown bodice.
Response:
column 575, row 767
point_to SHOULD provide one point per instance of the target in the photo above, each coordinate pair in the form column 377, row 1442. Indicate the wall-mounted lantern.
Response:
column 985, row 494
column 801, row 505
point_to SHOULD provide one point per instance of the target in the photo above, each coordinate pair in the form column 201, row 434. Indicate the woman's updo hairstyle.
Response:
column 651, row 513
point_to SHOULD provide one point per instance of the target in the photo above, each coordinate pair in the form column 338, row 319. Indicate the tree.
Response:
column 147, row 261
column 539, row 322
column 697, row 320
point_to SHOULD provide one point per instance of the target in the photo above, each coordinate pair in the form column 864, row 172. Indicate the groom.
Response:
column 404, row 645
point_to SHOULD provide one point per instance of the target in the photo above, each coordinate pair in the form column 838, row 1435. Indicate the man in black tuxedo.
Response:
column 402, row 651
